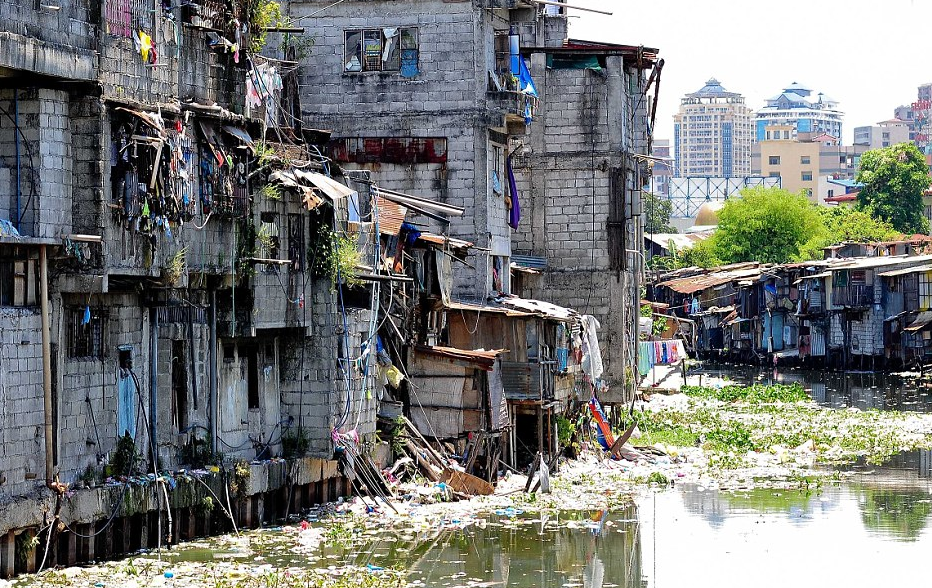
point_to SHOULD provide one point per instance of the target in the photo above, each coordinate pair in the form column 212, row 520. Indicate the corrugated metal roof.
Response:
column 922, row 319
column 909, row 270
column 539, row 307
column 468, row 307
column 530, row 261
column 872, row 262
column 444, row 240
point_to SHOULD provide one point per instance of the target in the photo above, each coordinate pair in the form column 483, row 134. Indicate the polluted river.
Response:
column 754, row 478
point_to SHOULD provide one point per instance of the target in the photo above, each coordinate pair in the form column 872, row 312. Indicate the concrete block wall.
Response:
column 45, row 161
column 74, row 24
column 170, row 438
column 88, row 387
column 22, row 416
column 582, row 129
column 312, row 385
column 447, row 98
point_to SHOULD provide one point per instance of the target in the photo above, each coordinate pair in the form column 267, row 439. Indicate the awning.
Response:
column 289, row 179
column 240, row 134
column 332, row 188
column 922, row 320
column 483, row 358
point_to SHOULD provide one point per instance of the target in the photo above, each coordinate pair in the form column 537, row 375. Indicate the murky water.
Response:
column 863, row 390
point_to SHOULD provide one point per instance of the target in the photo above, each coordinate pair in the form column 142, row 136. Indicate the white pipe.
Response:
column 552, row 3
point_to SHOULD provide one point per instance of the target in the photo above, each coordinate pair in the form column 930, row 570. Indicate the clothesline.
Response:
column 663, row 352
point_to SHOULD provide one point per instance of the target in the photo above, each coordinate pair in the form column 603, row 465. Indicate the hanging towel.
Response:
column 644, row 353
column 514, row 216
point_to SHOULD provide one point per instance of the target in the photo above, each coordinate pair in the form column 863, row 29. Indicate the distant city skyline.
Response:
column 868, row 57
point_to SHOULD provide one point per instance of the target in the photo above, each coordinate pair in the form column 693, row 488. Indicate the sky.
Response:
column 869, row 56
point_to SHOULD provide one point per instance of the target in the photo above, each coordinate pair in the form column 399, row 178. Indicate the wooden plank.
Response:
column 466, row 483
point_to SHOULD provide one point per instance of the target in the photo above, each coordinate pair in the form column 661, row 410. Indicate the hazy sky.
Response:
column 869, row 56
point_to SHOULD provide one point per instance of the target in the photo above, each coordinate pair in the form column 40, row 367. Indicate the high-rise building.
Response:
column 662, row 169
column 712, row 133
column 916, row 116
column 804, row 112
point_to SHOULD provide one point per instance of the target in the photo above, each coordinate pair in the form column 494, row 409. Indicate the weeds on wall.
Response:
column 295, row 443
column 262, row 14
column 175, row 267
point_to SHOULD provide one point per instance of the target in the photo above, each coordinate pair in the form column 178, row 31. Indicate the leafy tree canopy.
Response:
column 766, row 224
column 657, row 211
column 841, row 223
column 894, row 179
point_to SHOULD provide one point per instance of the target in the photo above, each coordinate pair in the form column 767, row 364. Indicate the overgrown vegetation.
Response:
column 198, row 452
column 175, row 266
column 295, row 442
column 125, row 457
column 262, row 14
column 755, row 394
column 729, row 422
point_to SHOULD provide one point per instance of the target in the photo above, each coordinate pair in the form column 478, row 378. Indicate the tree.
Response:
column 840, row 224
column 657, row 211
column 765, row 224
column 894, row 180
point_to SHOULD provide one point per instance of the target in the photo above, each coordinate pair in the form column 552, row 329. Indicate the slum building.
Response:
column 580, row 171
column 162, row 300
column 437, row 107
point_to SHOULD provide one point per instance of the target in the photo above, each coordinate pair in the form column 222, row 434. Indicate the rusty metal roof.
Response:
column 484, row 358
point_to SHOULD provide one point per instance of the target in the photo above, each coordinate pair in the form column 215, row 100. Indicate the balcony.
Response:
column 854, row 296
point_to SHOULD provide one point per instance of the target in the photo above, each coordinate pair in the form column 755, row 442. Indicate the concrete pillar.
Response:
column 7, row 555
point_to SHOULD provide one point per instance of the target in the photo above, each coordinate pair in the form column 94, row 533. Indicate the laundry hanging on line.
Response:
column 664, row 352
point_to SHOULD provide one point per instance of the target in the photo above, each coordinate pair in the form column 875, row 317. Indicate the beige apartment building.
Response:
column 712, row 133
column 804, row 161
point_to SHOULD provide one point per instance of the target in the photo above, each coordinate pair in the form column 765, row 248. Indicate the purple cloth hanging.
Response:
column 514, row 216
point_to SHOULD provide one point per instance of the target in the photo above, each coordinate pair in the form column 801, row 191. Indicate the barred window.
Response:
column 125, row 17
column 86, row 330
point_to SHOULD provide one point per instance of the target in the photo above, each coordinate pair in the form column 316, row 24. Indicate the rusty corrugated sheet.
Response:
column 481, row 357
column 391, row 216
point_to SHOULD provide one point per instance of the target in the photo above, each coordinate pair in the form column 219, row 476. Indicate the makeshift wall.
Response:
column 449, row 398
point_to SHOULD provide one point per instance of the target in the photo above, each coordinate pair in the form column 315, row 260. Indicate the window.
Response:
column 804, row 160
column 85, row 332
column 19, row 283
column 252, row 378
column 774, row 160
column 807, row 176
column 774, row 174
column 296, row 245
column 786, row 134
column 768, row 135
column 386, row 49
column 268, row 236
column 925, row 290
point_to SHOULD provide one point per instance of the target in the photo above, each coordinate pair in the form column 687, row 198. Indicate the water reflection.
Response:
column 862, row 390
column 587, row 549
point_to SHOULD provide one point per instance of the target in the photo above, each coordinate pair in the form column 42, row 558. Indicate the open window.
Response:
column 385, row 49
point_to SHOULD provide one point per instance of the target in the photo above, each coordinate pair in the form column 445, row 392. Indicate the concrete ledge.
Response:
column 44, row 58
column 87, row 506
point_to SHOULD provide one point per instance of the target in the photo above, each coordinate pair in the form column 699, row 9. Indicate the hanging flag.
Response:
column 525, row 83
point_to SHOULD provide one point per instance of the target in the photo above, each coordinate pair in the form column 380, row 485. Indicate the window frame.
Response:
column 86, row 341
column 396, row 60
